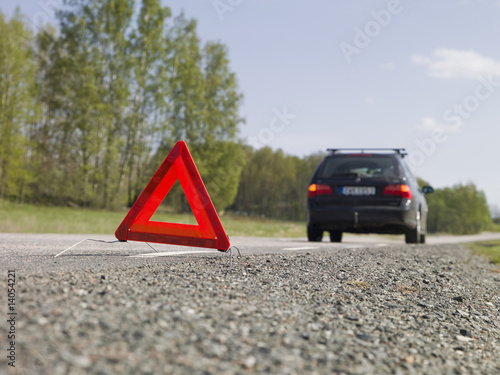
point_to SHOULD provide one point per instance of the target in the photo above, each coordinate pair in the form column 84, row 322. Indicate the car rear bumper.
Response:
column 364, row 219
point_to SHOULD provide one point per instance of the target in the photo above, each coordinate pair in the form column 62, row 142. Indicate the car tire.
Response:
column 314, row 234
column 335, row 236
column 413, row 235
column 423, row 233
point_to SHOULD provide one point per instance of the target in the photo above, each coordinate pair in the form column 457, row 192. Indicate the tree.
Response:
column 109, row 99
column 274, row 184
column 461, row 209
column 221, row 157
column 85, row 72
column 17, row 108
column 202, row 107
column 148, row 105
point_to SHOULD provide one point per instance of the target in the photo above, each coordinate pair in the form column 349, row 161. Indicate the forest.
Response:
column 91, row 106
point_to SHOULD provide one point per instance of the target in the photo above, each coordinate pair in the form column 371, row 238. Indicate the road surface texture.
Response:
column 370, row 305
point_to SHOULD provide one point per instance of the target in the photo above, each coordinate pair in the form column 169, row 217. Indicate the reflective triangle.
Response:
column 137, row 226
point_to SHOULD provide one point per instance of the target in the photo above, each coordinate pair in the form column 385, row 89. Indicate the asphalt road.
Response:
column 368, row 305
column 34, row 253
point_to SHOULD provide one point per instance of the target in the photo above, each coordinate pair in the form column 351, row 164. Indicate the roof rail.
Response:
column 399, row 151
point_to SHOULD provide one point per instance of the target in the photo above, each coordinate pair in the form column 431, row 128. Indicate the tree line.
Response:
column 89, row 110
column 460, row 209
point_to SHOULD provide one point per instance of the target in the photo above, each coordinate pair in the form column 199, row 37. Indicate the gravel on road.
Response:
column 409, row 310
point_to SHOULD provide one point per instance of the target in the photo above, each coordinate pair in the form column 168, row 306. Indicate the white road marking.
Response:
column 300, row 248
column 172, row 253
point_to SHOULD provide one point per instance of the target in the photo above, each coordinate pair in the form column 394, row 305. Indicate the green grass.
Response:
column 27, row 218
column 488, row 249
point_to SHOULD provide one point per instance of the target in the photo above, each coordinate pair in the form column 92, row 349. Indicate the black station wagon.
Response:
column 367, row 191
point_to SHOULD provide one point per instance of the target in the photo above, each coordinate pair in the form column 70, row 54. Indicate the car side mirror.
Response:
column 427, row 189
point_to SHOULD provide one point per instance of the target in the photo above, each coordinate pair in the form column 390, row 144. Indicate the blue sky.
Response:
column 424, row 75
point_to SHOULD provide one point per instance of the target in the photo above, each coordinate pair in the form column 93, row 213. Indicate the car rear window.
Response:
column 371, row 166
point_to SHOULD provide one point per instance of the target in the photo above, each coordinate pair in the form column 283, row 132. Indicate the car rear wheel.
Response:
column 335, row 236
column 314, row 234
column 413, row 235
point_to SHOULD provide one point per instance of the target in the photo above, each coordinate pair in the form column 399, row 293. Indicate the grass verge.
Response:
column 488, row 249
column 26, row 218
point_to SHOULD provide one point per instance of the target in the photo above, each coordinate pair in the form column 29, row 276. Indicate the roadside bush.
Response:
column 461, row 209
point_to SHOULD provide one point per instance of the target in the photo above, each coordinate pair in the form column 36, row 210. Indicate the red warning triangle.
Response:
column 137, row 226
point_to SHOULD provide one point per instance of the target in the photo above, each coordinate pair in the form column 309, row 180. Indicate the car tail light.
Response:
column 403, row 191
column 318, row 189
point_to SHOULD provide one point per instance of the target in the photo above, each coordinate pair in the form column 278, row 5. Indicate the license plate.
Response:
column 358, row 190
